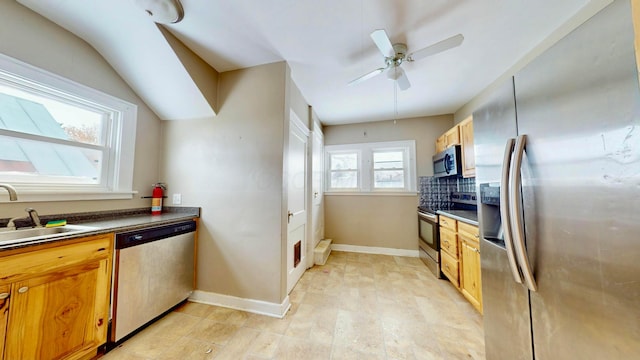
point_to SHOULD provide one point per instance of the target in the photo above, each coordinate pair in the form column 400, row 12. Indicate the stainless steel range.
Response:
column 461, row 203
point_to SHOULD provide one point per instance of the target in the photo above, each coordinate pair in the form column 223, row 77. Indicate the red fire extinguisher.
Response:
column 156, row 198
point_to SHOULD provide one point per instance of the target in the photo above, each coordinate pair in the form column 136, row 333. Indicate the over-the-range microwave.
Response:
column 448, row 162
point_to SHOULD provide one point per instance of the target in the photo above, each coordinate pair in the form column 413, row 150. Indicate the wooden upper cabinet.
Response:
column 441, row 143
column 453, row 136
column 468, row 152
column 59, row 300
column 449, row 138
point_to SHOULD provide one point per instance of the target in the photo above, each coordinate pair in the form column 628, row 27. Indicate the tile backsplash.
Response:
column 435, row 193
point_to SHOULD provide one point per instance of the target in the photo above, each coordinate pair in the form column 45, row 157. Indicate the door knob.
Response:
column 289, row 215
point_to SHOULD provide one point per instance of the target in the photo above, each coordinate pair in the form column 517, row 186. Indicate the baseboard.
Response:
column 375, row 250
column 248, row 305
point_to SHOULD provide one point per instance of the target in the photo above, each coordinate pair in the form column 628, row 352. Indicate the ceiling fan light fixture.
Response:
column 393, row 74
column 162, row 11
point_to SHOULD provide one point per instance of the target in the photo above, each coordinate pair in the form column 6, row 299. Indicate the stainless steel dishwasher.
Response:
column 153, row 271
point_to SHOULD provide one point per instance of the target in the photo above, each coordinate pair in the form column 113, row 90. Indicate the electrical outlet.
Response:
column 177, row 199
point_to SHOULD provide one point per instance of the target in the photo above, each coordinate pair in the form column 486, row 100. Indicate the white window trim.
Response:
column 328, row 167
column 365, row 167
column 119, row 184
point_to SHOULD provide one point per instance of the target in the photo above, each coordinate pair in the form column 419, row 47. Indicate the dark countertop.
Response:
column 467, row 216
column 109, row 221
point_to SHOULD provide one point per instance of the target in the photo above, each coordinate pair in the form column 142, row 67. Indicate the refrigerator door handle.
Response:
column 515, row 197
column 504, row 211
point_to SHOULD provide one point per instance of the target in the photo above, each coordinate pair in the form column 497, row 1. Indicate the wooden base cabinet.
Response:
column 460, row 258
column 470, row 284
column 57, row 305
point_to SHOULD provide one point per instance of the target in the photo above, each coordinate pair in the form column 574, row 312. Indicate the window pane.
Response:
column 347, row 161
column 388, row 160
column 39, row 115
column 41, row 162
column 389, row 179
column 344, row 179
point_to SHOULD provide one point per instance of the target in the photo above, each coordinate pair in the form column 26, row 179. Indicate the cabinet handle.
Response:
column 4, row 296
column 23, row 289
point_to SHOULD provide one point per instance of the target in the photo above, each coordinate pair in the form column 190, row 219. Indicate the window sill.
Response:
column 371, row 193
column 25, row 196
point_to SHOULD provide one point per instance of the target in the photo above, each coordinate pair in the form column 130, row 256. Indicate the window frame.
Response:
column 366, row 171
column 116, row 178
column 358, row 170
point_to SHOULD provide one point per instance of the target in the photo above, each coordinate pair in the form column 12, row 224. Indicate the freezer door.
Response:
column 579, row 105
column 507, row 325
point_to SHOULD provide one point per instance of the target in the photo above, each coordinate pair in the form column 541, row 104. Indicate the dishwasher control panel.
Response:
column 148, row 234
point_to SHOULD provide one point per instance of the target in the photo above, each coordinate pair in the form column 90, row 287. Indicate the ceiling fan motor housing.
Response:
column 400, row 55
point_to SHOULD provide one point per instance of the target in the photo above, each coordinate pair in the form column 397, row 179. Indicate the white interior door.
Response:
column 297, row 201
column 317, row 185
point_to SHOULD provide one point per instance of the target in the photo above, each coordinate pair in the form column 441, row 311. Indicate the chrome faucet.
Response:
column 13, row 195
column 33, row 214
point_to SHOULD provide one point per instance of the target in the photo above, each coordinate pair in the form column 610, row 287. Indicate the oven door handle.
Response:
column 430, row 217
column 504, row 211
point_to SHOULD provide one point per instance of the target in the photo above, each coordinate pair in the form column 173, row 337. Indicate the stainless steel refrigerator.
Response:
column 558, row 173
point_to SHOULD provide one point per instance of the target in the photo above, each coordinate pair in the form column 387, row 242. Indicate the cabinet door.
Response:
column 452, row 136
column 470, row 278
column 468, row 152
column 5, row 295
column 449, row 242
column 59, row 315
column 441, row 144
column 450, row 267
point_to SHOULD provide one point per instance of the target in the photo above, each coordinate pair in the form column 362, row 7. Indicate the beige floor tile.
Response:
column 359, row 331
column 228, row 316
column 267, row 323
column 195, row 309
column 356, row 306
column 174, row 325
column 265, row 345
column 298, row 349
column 148, row 344
column 341, row 352
column 190, row 349
column 213, row 332
column 238, row 345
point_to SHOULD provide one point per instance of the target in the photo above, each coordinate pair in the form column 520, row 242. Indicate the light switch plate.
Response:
column 177, row 199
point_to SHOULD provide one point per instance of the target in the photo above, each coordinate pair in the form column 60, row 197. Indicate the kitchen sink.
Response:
column 36, row 234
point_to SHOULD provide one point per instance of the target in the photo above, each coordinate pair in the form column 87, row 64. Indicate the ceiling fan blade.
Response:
column 367, row 76
column 438, row 47
column 402, row 79
column 383, row 43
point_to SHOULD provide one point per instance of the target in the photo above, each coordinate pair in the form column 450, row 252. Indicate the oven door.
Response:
column 429, row 241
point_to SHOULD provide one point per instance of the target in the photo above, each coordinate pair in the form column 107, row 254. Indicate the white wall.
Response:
column 232, row 166
column 29, row 37
column 387, row 221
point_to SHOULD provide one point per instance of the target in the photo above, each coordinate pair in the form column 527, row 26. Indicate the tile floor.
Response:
column 357, row 306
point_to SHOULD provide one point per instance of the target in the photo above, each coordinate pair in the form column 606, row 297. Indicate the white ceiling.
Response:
column 327, row 44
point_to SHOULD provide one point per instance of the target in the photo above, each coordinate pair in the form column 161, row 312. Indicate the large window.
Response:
column 371, row 167
column 60, row 140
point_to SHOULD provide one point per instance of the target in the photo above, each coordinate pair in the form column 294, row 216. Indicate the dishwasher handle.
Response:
column 149, row 234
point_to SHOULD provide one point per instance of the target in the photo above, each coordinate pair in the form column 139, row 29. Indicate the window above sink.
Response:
column 61, row 140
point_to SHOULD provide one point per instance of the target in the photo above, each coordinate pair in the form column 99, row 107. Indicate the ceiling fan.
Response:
column 396, row 54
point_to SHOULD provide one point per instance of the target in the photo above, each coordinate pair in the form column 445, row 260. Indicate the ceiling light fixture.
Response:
column 162, row 11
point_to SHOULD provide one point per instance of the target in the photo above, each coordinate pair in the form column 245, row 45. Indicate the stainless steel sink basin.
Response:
column 10, row 237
